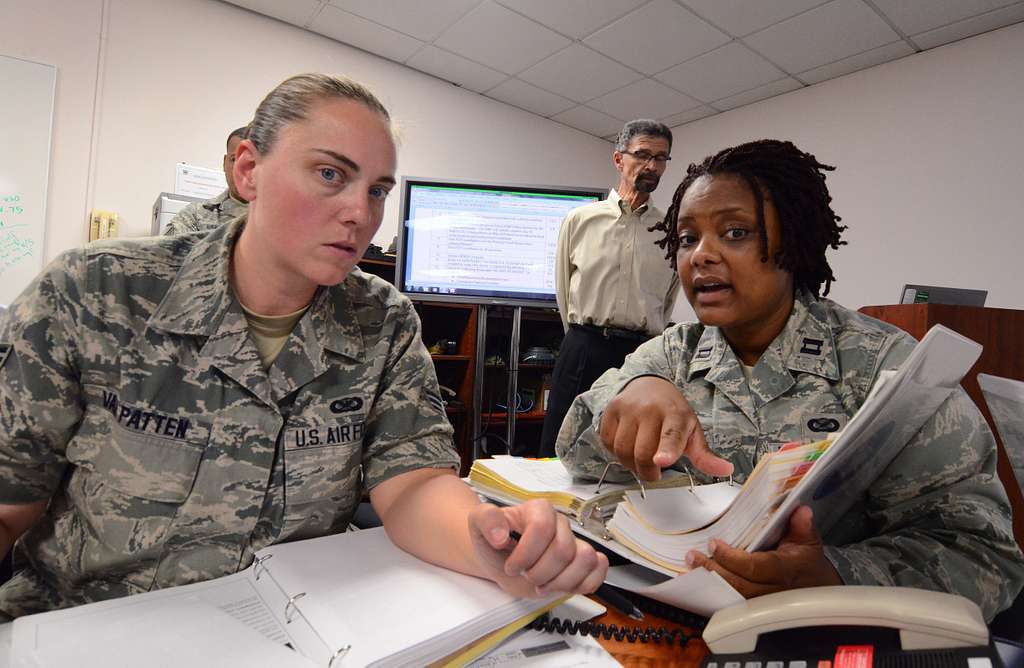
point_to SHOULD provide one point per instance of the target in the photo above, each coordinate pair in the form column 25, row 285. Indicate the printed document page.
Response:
column 170, row 631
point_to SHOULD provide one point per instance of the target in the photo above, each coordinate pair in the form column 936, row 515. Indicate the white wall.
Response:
column 66, row 35
column 928, row 147
column 175, row 77
column 929, row 152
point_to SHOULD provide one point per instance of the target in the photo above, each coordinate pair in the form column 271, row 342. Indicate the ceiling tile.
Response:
column 882, row 54
column 296, row 12
column 644, row 99
column 525, row 96
column 972, row 26
column 656, row 36
column 840, row 29
column 366, row 35
column 455, row 69
column 916, row 16
column 760, row 93
column 579, row 74
column 725, row 71
column 495, row 36
column 422, row 20
column 742, row 17
column 689, row 116
column 589, row 120
column 575, row 18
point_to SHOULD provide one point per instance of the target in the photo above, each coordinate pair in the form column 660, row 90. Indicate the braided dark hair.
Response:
column 795, row 181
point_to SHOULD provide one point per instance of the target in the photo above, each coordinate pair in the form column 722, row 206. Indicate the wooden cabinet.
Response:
column 1001, row 332
column 540, row 336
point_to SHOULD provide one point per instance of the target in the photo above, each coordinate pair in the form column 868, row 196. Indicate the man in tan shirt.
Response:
column 613, row 287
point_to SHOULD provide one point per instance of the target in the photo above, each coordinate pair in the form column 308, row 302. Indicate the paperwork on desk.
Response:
column 354, row 595
column 172, row 632
column 540, row 649
column 646, row 525
column 512, row 480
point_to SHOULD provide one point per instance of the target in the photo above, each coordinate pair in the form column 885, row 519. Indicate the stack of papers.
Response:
column 353, row 598
column 668, row 523
column 512, row 480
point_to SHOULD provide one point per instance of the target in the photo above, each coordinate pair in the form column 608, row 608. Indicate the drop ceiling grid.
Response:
column 675, row 60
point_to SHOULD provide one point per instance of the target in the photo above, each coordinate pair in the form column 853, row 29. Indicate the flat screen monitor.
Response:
column 482, row 243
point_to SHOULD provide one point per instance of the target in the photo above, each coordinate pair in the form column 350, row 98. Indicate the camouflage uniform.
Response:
column 134, row 399
column 937, row 518
column 206, row 216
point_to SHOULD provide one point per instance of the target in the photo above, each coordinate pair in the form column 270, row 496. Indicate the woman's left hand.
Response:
column 798, row 561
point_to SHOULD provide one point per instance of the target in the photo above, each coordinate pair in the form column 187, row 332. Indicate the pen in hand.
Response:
column 605, row 592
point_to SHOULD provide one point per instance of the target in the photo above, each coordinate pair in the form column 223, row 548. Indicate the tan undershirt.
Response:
column 270, row 332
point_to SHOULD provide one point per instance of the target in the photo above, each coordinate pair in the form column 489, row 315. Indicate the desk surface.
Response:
column 651, row 654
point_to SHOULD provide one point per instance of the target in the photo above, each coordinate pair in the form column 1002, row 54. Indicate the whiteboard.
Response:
column 26, row 118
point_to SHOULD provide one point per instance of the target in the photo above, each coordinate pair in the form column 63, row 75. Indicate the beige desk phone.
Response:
column 925, row 619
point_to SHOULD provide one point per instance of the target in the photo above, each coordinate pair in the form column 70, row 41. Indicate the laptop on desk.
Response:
column 933, row 294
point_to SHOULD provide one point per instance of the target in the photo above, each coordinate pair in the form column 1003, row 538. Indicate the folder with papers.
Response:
column 512, row 480
column 353, row 599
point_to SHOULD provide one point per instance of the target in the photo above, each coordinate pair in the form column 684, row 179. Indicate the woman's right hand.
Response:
column 649, row 425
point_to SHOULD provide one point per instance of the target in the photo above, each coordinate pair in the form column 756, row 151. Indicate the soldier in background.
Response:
column 211, row 214
column 171, row 405
column 771, row 362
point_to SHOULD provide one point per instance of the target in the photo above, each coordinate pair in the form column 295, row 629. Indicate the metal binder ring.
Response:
column 600, row 481
column 587, row 515
column 289, row 607
column 256, row 569
column 340, row 654
column 639, row 482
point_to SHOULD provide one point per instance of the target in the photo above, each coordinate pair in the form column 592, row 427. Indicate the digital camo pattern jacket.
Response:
column 936, row 518
column 206, row 216
column 133, row 397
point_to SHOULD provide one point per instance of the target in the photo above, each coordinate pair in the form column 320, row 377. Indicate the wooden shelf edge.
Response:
column 499, row 416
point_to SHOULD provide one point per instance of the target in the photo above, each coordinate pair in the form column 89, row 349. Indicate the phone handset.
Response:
column 925, row 619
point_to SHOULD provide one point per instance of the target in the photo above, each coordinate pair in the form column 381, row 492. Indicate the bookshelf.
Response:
column 524, row 379
column 479, row 414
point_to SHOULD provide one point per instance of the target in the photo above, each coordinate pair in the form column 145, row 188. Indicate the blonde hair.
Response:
column 291, row 100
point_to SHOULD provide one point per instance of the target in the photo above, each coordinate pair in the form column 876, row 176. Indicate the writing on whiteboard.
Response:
column 15, row 242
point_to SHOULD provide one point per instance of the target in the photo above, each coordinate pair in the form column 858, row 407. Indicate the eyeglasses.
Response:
column 644, row 157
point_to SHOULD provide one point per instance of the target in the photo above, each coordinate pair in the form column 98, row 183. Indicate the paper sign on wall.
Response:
column 199, row 182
